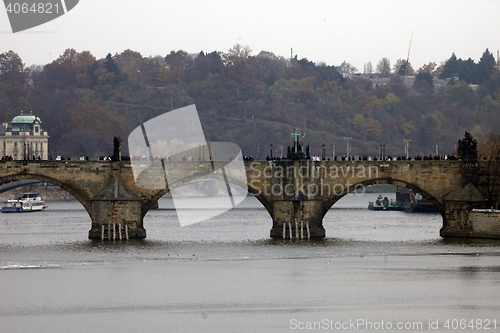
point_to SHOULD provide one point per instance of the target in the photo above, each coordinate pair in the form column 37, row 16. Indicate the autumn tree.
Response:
column 242, row 69
column 429, row 68
column 129, row 63
column 91, row 129
column 84, row 61
column 177, row 64
column 11, row 68
column 70, row 70
column 272, row 67
column 12, row 85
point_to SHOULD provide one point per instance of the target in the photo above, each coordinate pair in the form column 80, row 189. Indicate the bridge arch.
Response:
column 188, row 180
column 384, row 181
column 75, row 192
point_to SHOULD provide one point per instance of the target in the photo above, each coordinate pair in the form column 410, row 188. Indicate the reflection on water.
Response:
column 227, row 275
column 58, row 236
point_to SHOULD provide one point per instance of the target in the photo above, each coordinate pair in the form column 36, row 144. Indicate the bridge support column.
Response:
column 116, row 213
column 116, row 220
column 456, row 220
column 300, row 219
column 458, row 204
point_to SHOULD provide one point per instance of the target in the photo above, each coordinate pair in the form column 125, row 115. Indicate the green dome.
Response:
column 22, row 119
column 23, row 123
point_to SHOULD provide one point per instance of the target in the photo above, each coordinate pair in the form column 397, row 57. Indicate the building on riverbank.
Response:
column 24, row 138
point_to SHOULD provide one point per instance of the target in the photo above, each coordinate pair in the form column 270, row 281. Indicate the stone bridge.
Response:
column 297, row 194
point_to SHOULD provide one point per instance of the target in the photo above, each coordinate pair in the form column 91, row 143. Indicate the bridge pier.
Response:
column 458, row 205
column 116, row 220
column 297, row 219
column 116, row 213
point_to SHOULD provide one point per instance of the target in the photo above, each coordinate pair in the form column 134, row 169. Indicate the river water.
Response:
column 375, row 271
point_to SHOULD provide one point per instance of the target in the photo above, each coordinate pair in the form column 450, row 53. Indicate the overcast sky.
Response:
column 356, row 31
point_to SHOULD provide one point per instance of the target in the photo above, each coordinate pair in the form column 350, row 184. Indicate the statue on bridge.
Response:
column 117, row 149
column 297, row 152
column 467, row 149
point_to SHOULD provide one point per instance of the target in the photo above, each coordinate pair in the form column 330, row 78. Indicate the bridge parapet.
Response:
column 303, row 191
column 297, row 194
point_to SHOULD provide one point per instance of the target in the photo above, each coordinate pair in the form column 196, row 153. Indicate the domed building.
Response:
column 24, row 138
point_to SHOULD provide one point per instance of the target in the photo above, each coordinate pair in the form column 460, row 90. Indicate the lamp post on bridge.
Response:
column 347, row 139
column 271, row 151
column 381, row 151
column 407, row 146
column 323, row 157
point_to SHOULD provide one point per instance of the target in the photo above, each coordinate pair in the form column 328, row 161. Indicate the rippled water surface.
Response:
column 226, row 274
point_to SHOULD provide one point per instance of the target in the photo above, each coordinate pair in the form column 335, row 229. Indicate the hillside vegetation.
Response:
column 254, row 100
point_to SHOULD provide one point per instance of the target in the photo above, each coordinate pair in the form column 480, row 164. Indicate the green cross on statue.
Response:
column 296, row 135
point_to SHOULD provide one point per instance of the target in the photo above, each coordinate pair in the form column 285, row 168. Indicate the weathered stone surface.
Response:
column 298, row 190
column 485, row 223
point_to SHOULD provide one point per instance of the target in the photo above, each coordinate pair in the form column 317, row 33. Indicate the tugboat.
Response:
column 26, row 202
column 412, row 202
column 383, row 204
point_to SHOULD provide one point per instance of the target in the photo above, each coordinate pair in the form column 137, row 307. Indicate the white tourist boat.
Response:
column 26, row 202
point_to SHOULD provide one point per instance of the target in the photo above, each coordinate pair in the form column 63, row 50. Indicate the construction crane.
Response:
column 408, row 58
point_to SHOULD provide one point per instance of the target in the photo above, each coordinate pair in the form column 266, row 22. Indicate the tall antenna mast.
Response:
column 408, row 58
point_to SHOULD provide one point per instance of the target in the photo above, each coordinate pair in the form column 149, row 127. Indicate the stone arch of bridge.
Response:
column 74, row 191
column 185, row 181
column 384, row 181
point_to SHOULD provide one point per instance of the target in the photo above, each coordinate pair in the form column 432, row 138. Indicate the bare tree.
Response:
column 368, row 68
column 347, row 70
column 384, row 67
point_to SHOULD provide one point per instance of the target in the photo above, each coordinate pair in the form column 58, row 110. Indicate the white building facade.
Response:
column 24, row 138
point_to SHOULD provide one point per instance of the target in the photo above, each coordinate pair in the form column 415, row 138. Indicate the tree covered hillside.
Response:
column 255, row 100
